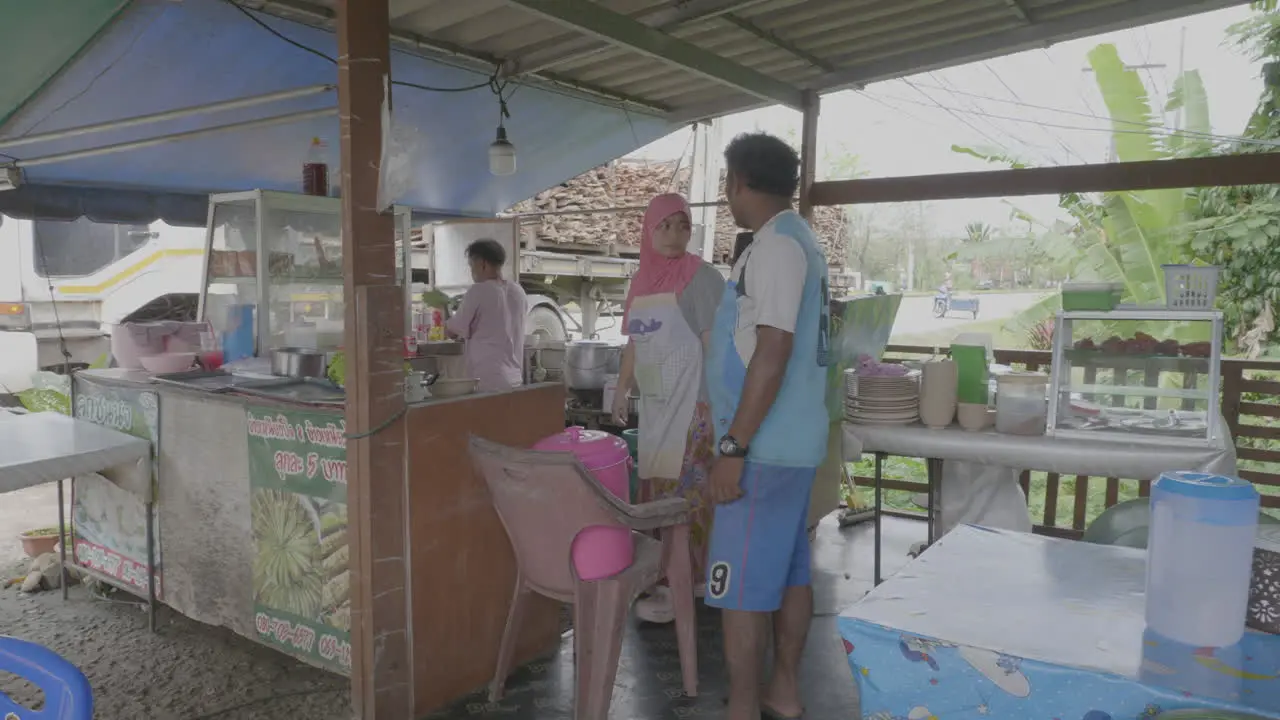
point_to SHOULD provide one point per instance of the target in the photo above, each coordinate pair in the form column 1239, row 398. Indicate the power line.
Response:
column 952, row 113
column 948, row 87
column 1062, row 143
column 1161, row 129
column 1092, row 116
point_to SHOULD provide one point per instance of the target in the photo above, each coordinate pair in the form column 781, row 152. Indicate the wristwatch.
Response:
column 730, row 447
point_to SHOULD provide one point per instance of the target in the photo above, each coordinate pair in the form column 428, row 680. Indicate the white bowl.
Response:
column 453, row 387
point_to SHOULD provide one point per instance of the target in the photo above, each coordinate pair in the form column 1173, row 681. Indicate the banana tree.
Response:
column 1125, row 237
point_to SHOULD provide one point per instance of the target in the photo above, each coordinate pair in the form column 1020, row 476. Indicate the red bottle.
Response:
column 315, row 171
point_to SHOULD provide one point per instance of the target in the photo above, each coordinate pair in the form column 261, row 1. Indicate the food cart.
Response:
column 250, row 488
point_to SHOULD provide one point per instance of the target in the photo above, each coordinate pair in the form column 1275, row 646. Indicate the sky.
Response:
column 907, row 127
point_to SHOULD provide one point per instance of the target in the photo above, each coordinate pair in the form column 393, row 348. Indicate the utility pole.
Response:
column 704, row 186
column 1182, row 59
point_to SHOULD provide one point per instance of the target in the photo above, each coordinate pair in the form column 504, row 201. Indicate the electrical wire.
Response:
column 1160, row 129
column 1101, row 118
column 970, row 106
column 1014, row 93
column 491, row 83
column 38, row 241
column 950, row 112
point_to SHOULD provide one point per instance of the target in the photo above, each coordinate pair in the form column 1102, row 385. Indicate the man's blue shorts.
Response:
column 760, row 542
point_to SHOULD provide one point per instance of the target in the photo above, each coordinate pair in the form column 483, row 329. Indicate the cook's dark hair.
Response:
column 488, row 251
column 765, row 163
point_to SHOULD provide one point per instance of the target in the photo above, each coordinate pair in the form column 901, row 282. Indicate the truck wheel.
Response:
column 545, row 324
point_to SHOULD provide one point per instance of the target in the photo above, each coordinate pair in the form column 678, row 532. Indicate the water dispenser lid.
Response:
column 1205, row 486
column 595, row 448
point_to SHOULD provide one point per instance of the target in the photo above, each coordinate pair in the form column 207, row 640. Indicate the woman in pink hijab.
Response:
column 671, row 307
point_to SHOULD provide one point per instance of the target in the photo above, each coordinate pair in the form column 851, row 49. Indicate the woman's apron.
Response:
column 668, row 372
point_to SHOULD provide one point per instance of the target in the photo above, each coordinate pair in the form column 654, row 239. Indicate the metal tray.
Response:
column 312, row 391
column 207, row 380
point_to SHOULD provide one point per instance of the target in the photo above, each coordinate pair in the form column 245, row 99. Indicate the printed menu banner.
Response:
column 301, row 582
column 109, row 522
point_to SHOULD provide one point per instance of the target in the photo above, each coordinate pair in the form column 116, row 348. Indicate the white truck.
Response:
column 63, row 284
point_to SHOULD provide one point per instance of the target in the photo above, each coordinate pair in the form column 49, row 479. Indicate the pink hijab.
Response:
column 660, row 274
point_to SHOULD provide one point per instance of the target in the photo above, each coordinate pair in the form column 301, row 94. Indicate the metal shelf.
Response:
column 1149, row 314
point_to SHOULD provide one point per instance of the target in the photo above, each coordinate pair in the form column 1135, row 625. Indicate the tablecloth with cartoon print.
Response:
column 996, row 625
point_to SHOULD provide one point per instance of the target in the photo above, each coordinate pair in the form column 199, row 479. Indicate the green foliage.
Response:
column 1125, row 237
column 1237, row 227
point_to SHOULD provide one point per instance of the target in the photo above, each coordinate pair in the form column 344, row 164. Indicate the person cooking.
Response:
column 491, row 321
column 670, row 308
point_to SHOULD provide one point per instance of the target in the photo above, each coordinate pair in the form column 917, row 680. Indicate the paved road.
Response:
column 915, row 316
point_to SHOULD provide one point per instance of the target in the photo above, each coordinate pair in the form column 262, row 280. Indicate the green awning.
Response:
column 39, row 37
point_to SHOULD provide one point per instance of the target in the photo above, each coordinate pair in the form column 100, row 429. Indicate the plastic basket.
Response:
column 1190, row 287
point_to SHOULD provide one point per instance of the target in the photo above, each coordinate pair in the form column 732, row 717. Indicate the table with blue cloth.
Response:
column 994, row 625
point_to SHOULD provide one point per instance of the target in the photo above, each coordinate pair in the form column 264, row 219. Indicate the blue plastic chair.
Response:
column 67, row 695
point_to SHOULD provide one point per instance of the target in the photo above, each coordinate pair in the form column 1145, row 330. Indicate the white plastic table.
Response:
column 1065, row 456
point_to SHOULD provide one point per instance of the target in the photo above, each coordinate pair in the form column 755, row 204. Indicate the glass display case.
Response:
column 1149, row 375
column 273, row 271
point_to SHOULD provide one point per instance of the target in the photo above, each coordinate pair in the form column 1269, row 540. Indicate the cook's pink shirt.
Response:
column 491, row 320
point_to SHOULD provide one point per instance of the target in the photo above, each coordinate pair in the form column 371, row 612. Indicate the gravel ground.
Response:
column 185, row 671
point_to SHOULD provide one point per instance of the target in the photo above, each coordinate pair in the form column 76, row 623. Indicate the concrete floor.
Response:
column 648, row 683
column 190, row 671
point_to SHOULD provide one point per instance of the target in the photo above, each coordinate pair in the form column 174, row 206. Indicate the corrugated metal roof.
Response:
column 691, row 59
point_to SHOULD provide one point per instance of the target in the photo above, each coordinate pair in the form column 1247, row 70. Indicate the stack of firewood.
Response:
column 627, row 183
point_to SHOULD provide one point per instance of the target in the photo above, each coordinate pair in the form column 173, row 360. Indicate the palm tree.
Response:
column 977, row 232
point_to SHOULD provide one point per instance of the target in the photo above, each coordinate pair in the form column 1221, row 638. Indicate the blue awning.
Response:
column 159, row 55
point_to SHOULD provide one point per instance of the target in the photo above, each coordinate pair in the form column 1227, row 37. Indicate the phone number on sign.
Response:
column 113, row 564
column 299, row 636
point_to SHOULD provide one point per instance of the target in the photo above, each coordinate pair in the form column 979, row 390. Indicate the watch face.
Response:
column 729, row 447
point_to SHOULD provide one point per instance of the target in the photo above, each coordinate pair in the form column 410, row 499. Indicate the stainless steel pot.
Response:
column 296, row 362
column 587, row 362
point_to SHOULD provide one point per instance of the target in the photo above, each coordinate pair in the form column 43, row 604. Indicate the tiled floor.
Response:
column 648, row 683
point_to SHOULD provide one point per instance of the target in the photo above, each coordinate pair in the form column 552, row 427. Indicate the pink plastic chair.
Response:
column 544, row 500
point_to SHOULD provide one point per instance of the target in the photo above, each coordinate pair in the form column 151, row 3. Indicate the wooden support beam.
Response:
column 1256, row 169
column 809, row 152
column 381, row 663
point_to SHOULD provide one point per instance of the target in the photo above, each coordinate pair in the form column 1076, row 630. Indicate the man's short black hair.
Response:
column 767, row 164
column 488, row 251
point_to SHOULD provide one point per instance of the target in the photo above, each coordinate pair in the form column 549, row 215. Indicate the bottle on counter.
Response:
column 315, row 171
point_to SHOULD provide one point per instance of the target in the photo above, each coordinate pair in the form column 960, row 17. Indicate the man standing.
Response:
column 491, row 320
column 766, row 381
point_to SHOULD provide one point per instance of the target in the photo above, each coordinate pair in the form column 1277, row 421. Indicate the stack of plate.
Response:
column 882, row 399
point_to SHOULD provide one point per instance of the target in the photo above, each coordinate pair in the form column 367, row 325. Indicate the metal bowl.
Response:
column 296, row 362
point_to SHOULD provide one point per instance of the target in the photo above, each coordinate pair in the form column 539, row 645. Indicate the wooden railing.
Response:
column 1250, row 403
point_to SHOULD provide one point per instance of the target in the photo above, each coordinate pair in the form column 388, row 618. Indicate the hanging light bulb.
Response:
column 502, row 155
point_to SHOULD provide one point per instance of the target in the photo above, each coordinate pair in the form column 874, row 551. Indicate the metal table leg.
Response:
column 933, row 470
column 62, row 541
column 151, row 566
column 876, row 512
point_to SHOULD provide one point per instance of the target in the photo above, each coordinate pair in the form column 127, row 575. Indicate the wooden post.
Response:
column 381, row 662
column 809, row 152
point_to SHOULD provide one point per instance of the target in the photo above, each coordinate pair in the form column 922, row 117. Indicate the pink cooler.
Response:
column 599, row 551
